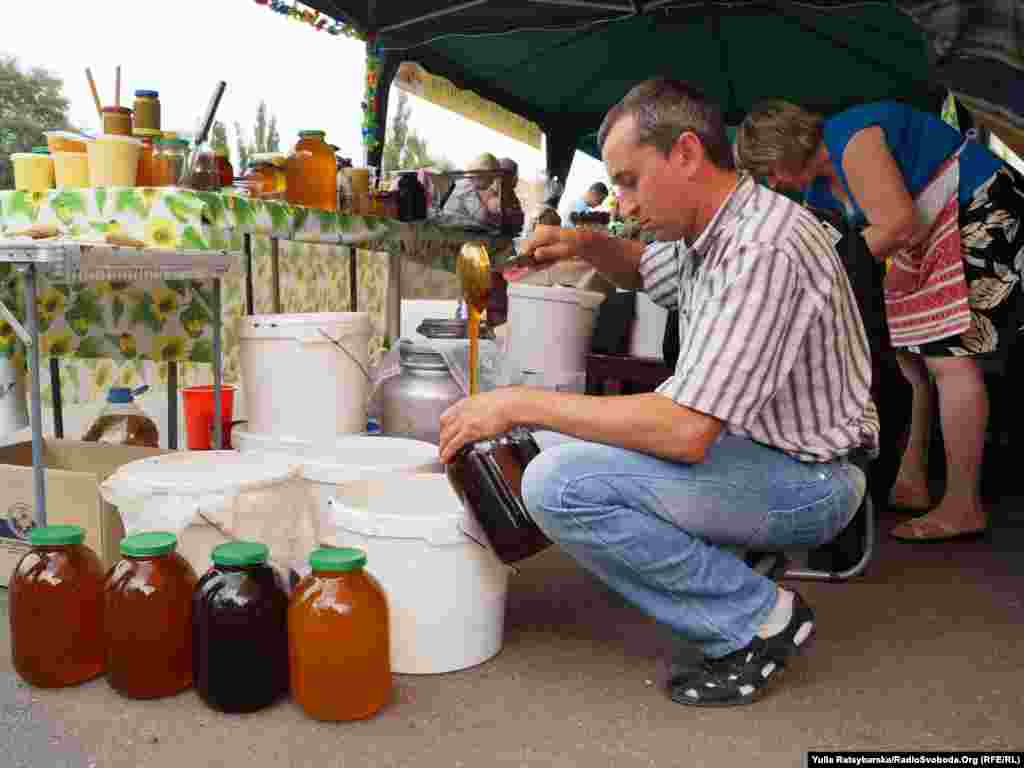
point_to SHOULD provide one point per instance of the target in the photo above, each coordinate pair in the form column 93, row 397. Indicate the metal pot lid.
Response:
column 420, row 356
column 450, row 328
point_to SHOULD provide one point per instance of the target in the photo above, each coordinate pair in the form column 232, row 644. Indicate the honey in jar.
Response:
column 240, row 630
column 117, row 120
column 265, row 177
column 169, row 156
column 311, row 173
column 147, row 110
column 56, row 609
column 148, row 614
column 224, row 167
column 147, row 170
column 338, row 638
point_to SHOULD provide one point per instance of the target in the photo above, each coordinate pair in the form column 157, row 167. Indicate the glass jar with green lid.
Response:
column 148, row 615
column 312, row 173
column 170, row 157
column 240, row 631
column 56, row 609
column 339, row 652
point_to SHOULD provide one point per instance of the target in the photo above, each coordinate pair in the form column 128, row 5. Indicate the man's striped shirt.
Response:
column 771, row 340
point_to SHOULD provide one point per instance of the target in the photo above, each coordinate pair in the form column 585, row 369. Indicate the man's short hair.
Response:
column 598, row 188
column 664, row 109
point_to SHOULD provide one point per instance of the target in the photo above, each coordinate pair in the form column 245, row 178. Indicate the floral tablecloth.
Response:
column 171, row 320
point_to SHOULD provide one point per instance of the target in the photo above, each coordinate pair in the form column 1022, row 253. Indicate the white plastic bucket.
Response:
column 208, row 498
column 550, row 328
column 446, row 592
column 357, row 457
column 298, row 382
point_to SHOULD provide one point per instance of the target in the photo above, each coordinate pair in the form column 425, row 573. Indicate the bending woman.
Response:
column 885, row 165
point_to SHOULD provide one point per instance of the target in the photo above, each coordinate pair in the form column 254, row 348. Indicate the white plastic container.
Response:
column 550, row 328
column 305, row 375
column 648, row 333
column 208, row 498
column 446, row 592
column 328, row 467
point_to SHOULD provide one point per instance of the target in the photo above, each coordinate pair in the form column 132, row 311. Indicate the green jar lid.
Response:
column 337, row 559
column 240, row 553
column 56, row 535
column 40, row 150
column 321, row 134
column 148, row 544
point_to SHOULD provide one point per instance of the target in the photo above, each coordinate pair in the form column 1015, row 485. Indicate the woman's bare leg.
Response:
column 910, row 489
column 963, row 408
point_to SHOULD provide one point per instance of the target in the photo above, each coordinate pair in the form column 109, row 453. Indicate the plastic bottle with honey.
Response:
column 56, row 609
column 339, row 651
column 312, row 173
column 148, row 614
column 240, row 630
column 122, row 422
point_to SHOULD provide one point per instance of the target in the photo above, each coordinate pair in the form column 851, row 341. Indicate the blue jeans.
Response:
column 659, row 532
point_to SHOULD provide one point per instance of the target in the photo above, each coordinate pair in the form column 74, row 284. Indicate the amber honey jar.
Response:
column 311, row 173
column 265, row 176
column 117, row 120
column 56, row 609
column 146, row 175
column 169, row 156
column 147, row 110
column 224, row 167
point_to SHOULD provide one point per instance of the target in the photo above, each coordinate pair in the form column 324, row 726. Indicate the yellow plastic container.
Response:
column 114, row 161
column 32, row 172
column 71, row 169
column 65, row 141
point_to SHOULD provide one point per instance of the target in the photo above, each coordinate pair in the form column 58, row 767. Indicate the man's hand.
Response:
column 615, row 258
column 549, row 244
column 478, row 418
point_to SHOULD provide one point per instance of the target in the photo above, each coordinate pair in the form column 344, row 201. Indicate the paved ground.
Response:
column 922, row 653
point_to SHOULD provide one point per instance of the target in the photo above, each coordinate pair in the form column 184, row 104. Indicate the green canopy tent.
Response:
column 563, row 63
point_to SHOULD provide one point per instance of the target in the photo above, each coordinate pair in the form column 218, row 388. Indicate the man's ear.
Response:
column 687, row 154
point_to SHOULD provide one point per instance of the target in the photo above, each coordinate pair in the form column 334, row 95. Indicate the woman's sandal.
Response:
column 923, row 529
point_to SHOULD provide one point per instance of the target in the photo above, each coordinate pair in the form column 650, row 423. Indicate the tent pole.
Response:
column 433, row 15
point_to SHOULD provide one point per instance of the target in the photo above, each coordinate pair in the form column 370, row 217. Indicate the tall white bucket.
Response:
column 550, row 328
column 446, row 591
column 304, row 376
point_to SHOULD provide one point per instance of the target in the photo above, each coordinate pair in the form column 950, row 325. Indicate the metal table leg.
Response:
column 353, row 278
column 394, row 298
column 275, row 273
column 38, row 469
column 218, row 443
column 247, row 247
column 58, row 401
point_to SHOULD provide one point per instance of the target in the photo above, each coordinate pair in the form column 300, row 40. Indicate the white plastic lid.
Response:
column 114, row 138
column 334, row 323
column 199, row 472
column 351, row 458
column 66, row 135
column 22, row 155
column 405, row 506
column 560, row 293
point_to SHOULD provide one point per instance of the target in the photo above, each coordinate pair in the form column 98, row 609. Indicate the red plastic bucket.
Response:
column 198, row 405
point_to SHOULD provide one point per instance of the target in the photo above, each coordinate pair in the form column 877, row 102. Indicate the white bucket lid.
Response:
column 405, row 506
column 201, row 472
column 273, row 326
column 351, row 458
column 559, row 293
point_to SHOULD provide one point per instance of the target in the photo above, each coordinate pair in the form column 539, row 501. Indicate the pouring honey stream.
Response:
column 473, row 269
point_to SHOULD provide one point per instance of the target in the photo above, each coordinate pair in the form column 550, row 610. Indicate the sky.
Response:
column 309, row 79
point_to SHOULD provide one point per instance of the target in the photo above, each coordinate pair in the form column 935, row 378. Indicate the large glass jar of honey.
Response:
column 312, row 173
column 240, row 631
column 169, row 158
column 338, row 641
column 56, row 609
column 148, row 615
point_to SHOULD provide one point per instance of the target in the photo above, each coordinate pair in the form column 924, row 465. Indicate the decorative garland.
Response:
column 319, row 22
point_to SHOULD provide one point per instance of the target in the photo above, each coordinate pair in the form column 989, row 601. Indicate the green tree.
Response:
column 265, row 137
column 404, row 149
column 31, row 101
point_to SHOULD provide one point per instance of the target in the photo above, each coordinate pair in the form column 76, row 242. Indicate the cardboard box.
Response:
column 74, row 471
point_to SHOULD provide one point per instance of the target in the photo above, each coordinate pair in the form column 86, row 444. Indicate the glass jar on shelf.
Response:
column 203, row 174
column 312, row 173
column 148, row 137
column 265, row 177
column 169, row 159
column 224, row 167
